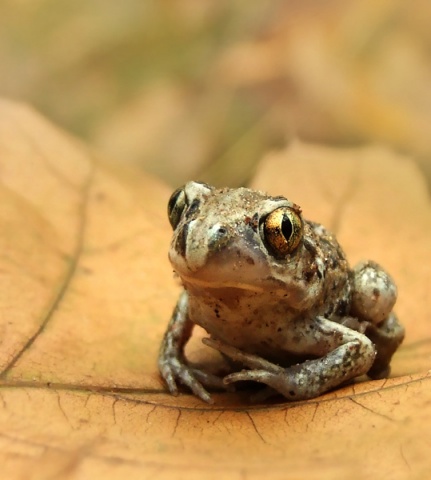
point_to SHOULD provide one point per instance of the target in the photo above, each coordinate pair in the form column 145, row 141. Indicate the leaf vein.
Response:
column 67, row 279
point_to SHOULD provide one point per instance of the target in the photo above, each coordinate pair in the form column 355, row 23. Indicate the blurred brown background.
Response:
column 202, row 89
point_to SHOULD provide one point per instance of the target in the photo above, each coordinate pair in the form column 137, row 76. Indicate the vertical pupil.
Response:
column 286, row 227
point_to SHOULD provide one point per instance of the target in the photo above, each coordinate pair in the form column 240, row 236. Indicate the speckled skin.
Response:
column 302, row 323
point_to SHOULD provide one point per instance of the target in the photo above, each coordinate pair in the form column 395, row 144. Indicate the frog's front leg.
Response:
column 343, row 355
column 172, row 362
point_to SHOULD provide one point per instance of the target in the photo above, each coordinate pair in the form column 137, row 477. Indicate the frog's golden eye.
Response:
column 282, row 231
column 176, row 206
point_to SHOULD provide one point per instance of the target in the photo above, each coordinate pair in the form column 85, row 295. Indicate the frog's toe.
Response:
column 175, row 370
column 283, row 384
column 262, row 376
column 248, row 359
column 256, row 376
column 209, row 380
column 188, row 378
column 169, row 368
column 169, row 379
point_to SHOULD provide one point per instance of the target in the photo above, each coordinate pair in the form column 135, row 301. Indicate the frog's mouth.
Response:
column 214, row 284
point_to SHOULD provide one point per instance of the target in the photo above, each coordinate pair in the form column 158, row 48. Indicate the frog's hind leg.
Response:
column 343, row 355
column 374, row 296
column 387, row 337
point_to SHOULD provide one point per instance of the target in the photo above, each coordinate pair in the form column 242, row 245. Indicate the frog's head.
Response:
column 238, row 238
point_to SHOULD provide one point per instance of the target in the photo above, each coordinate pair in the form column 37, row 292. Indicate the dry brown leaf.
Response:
column 86, row 293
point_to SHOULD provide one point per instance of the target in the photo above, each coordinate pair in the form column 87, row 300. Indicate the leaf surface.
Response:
column 87, row 291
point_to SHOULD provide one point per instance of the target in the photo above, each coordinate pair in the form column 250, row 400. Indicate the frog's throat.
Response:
column 225, row 284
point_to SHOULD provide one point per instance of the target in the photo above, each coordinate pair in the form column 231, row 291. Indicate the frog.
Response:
column 276, row 296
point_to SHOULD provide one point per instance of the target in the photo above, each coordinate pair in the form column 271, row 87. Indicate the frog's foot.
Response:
column 173, row 370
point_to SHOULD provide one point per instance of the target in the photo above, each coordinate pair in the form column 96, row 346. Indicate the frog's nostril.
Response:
column 218, row 236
